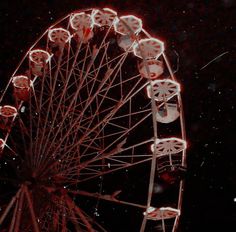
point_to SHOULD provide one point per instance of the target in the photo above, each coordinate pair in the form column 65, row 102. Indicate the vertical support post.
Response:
column 31, row 208
column 19, row 210
column 80, row 214
column 13, row 221
column 2, row 218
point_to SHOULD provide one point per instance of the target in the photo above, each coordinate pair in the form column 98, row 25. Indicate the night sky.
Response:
column 200, row 41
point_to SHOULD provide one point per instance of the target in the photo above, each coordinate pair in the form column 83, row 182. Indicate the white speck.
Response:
column 22, row 110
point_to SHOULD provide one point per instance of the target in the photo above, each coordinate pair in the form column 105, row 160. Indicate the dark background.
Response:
column 198, row 31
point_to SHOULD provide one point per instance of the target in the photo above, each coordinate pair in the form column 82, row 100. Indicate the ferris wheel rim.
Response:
column 50, row 28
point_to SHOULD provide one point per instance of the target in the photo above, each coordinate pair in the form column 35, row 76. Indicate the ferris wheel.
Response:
column 93, row 100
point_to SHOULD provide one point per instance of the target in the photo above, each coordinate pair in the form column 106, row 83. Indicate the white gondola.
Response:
column 21, row 85
column 168, row 146
column 125, row 42
column 167, row 113
column 148, row 48
column 161, row 213
column 104, row 17
column 39, row 60
column 128, row 25
column 8, row 111
column 59, row 36
column 39, row 56
column 163, row 90
column 82, row 23
column 151, row 69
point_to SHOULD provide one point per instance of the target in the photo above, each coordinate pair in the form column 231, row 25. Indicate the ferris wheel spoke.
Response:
column 116, row 139
column 86, row 220
column 116, row 59
column 31, row 209
column 111, row 198
column 119, row 158
column 79, row 142
column 67, row 72
column 74, row 220
column 101, row 228
column 104, row 96
column 121, row 83
column 25, row 133
column 103, row 81
column 10, row 205
column 30, row 149
column 128, row 165
column 102, row 99
column 122, row 135
column 63, row 224
column 40, row 102
column 93, row 169
column 111, row 118
column 90, row 101
column 19, row 214
column 14, row 217
column 93, row 52
column 74, row 98
column 63, row 94
column 114, row 111
column 54, row 81
column 79, row 212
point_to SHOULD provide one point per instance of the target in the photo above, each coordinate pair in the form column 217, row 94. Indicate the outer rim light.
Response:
column 170, row 209
column 118, row 20
column 14, row 79
column 106, row 10
column 80, row 14
column 11, row 107
column 172, row 113
column 159, row 213
column 2, row 143
column 149, row 210
column 157, row 141
column 138, row 44
column 50, row 31
column 160, row 81
column 152, row 64
column 39, row 50
column 110, row 10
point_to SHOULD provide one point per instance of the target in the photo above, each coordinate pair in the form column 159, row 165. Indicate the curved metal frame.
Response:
column 84, row 221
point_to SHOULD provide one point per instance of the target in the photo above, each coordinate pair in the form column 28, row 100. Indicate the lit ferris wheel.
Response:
column 93, row 98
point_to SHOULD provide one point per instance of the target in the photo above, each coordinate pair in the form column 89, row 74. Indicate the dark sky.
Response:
column 199, row 32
